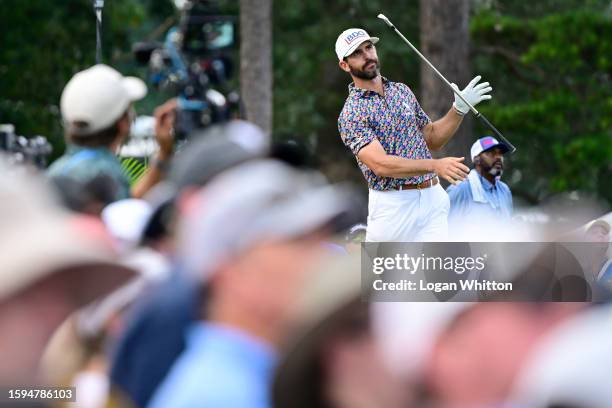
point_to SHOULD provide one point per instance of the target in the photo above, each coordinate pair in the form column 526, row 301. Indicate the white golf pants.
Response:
column 408, row 215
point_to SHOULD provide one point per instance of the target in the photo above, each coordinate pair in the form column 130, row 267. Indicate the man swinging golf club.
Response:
column 391, row 137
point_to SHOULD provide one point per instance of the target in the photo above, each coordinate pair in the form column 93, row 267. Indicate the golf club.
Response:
column 479, row 115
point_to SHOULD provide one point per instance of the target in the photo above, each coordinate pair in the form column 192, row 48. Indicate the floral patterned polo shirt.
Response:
column 396, row 120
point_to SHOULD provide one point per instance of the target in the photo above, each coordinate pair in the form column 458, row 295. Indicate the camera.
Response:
column 194, row 63
column 20, row 149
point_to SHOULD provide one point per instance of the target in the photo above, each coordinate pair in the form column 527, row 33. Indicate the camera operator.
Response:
column 97, row 113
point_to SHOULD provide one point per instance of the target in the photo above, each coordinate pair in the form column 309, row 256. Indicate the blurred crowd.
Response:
column 229, row 276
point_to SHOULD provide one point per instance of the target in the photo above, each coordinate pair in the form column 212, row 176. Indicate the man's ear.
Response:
column 344, row 66
column 123, row 128
column 476, row 160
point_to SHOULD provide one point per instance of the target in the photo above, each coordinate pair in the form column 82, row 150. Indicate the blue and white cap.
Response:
column 350, row 39
column 485, row 143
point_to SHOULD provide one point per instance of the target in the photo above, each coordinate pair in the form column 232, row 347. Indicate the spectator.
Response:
column 482, row 197
column 354, row 237
column 333, row 360
column 252, row 235
column 571, row 366
column 97, row 112
column 465, row 354
column 157, row 323
column 49, row 269
column 600, row 265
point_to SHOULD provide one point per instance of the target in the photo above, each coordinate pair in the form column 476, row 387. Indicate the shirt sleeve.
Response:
column 355, row 131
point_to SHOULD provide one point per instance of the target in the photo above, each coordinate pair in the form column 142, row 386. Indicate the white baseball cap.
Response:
column 485, row 143
column 350, row 39
column 98, row 96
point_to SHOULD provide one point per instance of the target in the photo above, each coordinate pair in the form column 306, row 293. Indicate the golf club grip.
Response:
column 498, row 134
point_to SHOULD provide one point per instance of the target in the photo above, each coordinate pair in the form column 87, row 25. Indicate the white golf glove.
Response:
column 472, row 93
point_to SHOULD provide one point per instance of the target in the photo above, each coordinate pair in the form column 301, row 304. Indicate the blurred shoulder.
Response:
column 463, row 187
column 504, row 187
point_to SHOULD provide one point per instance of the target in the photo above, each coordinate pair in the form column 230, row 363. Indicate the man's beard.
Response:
column 494, row 170
column 362, row 74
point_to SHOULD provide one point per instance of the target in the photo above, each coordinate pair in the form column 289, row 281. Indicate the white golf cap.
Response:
column 350, row 39
column 126, row 220
column 97, row 97
column 485, row 143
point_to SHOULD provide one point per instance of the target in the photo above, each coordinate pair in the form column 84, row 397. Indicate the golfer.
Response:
column 392, row 138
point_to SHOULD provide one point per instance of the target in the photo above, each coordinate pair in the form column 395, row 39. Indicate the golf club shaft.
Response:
column 497, row 133
column 479, row 115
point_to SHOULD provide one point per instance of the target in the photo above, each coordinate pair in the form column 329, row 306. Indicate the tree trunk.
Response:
column 445, row 42
column 256, row 61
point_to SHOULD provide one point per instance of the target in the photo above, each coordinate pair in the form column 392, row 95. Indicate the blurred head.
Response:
column 354, row 237
column 125, row 220
column 96, row 106
column 598, row 231
column 598, row 235
column 569, row 368
column 86, row 196
column 262, row 282
column 475, row 361
column 331, row 358
column 251, row 235
column 53, row 263
column 207, row 153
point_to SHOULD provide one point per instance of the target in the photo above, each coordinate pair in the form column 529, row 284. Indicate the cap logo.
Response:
column 486, row 142
column 354, row 35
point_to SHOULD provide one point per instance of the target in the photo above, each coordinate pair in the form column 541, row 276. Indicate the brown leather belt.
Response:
column 426, row 184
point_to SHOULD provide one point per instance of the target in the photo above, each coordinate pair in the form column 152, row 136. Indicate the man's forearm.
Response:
column 438, row 133
column 400, row 167
column 153, row 175
column 150, row 178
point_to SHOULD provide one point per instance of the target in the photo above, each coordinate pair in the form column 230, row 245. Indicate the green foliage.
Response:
column 43, row 43
column 549, row 62
column 553, row 96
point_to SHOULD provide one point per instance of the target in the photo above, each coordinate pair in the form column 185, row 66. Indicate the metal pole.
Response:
column 98, row 6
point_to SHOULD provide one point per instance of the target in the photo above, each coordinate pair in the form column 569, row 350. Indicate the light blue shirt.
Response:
column 84, row 164
column 605, row 274
column 493, row 201
column 220, row 368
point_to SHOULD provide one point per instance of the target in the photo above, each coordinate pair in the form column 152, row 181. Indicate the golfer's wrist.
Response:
column 458, row 111
column 430, row 166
